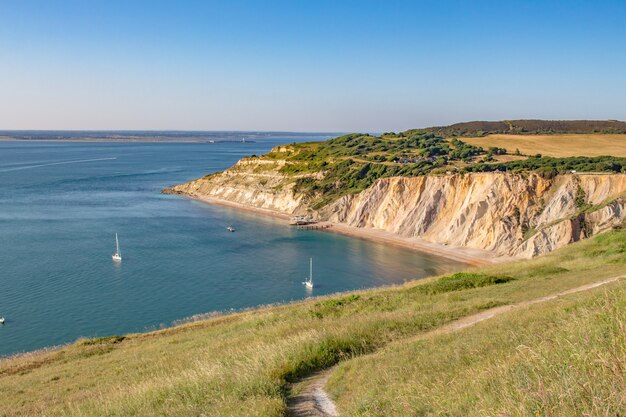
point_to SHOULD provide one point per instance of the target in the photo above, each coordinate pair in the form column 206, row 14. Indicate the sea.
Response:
column 62, row 202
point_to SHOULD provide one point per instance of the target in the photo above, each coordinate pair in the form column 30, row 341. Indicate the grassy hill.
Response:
column 351, row 163
column 559, row 359
column 568, row 351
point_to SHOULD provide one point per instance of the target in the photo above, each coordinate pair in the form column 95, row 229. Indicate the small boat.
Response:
column 309, row 280
column 230, row 229
column 117, row 256
column 1, row 320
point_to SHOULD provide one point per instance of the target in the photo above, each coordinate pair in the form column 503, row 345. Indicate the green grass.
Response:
column 242, row 364
column 563, row 358
column 462, row 281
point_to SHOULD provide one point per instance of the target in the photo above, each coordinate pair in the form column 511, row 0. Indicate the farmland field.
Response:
column 556, row 145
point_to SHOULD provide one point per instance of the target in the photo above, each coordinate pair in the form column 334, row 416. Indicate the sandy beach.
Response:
column 470, row 256
column 474, row 257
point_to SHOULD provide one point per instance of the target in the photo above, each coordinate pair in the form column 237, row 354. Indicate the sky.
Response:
column 315, row 65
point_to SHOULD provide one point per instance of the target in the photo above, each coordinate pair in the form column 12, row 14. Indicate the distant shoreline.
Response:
column 165, row 136
column 137, row 140
column 469, row 256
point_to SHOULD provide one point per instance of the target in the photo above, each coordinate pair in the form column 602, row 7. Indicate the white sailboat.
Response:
column 1, row 320
column 309, row 281
column 117, row 256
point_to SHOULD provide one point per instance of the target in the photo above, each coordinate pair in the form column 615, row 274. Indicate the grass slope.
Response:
column 564, row 358
column 241, row 364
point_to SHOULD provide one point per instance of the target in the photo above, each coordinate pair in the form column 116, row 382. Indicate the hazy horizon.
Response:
column 307, row 67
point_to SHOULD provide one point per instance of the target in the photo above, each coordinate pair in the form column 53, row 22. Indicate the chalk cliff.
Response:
column 508, row 214
column 252, row 182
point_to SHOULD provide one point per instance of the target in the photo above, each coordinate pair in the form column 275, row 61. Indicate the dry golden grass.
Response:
column 561, row 359
column 556, row 145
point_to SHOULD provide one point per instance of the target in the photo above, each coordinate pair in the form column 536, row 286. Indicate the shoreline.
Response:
column 136, row 140
column 469, row 256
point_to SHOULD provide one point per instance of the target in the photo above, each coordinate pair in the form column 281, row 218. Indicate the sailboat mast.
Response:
column 117, row 244
column 311, row 269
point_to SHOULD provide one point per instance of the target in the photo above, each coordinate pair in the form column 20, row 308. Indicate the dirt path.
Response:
column 313, row 401
column 492, row 312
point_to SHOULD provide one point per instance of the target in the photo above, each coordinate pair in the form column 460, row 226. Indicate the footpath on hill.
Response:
column 312, row 400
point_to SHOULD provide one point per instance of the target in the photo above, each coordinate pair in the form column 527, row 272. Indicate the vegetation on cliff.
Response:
column 561, row 359
column 351, row 163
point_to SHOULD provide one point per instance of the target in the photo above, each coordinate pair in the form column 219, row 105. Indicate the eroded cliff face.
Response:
column 252, row 182
column 508, row 214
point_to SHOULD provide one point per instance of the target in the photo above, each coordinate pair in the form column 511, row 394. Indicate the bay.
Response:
column 61, row 204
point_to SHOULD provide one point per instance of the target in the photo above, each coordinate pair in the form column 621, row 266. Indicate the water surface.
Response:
column 62, row 203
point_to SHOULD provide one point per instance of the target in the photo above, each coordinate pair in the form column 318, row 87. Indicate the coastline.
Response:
column 134, row 140
column 469, row 256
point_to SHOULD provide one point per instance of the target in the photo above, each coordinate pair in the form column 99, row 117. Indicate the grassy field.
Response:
column 241, row 364
column 556, row 145
column 563, row 358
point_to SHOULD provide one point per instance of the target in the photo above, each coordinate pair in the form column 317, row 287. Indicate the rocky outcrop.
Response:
column 252, row 182
column 508, row 214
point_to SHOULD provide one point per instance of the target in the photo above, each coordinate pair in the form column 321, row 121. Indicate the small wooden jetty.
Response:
column 308, row 223
column 301, row 221
column 315, row 226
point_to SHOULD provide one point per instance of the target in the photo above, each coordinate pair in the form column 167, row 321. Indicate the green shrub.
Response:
column 332, row 306
column 102, row 340
column 461, row 281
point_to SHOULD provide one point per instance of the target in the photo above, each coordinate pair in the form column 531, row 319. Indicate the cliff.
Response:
column 250, row 182
column 508, row 214
column 505, row 213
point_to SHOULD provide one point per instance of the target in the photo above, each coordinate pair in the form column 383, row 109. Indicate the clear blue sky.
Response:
column 311, row 65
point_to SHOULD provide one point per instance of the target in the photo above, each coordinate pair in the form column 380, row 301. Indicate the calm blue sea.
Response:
column 62, row 203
